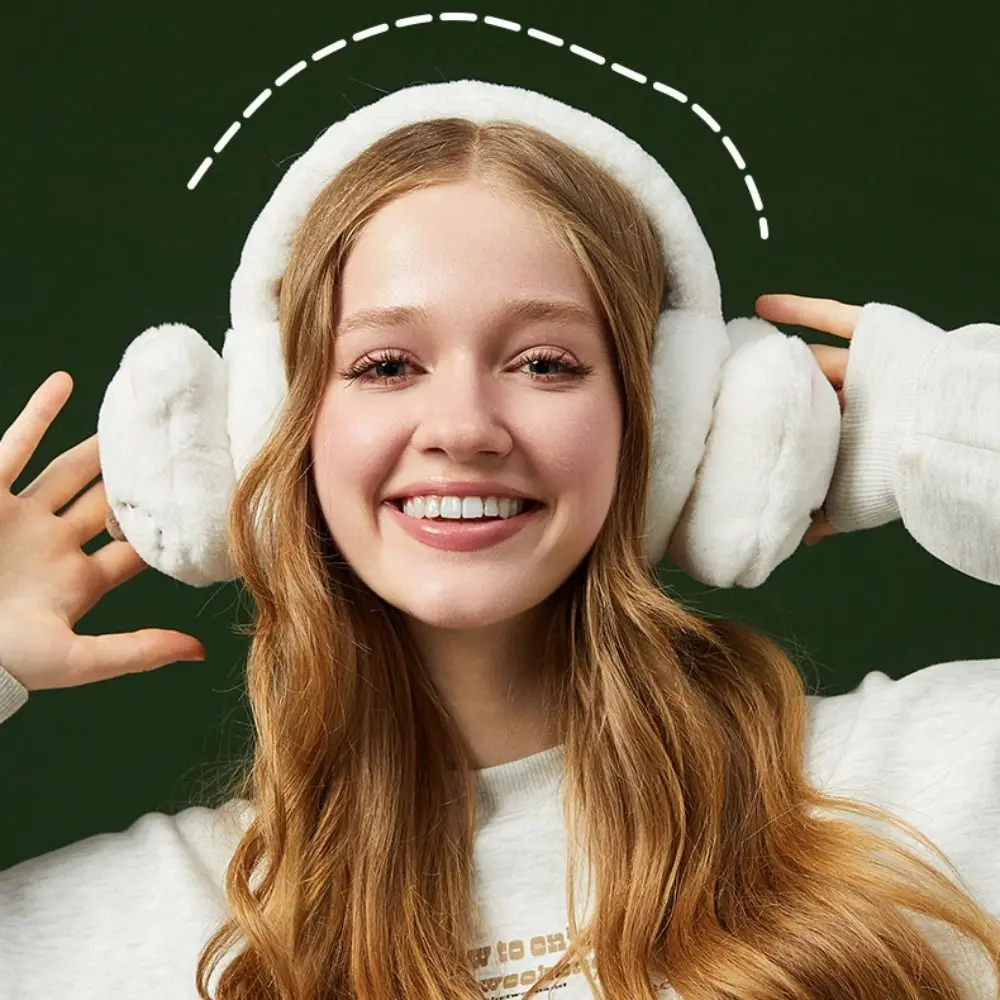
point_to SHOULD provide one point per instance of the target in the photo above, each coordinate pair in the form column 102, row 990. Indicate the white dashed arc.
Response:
column 493, row 22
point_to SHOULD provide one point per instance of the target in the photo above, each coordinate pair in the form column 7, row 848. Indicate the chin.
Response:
column 464, row 604
column 461, row 615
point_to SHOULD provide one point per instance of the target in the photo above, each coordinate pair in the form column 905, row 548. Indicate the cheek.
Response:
column 351, row 458
column 583, row 453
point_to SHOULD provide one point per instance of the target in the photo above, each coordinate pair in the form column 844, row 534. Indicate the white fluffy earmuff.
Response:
column 746, row 428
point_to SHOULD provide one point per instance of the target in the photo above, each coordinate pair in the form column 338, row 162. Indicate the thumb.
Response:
column 99, row 657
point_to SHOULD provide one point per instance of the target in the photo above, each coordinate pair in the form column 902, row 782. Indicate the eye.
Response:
column 547, row 356
column 361, row 370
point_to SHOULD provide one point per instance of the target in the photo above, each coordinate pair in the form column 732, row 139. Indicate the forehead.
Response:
column 463, row 247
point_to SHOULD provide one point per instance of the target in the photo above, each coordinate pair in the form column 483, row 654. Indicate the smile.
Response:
column 460, row 535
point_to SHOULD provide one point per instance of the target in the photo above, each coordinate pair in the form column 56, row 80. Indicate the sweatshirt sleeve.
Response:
column 119, row 914
column 920, row 437
column 13, row 694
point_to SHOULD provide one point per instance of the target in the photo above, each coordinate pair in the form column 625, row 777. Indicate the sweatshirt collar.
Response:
column 519, row 784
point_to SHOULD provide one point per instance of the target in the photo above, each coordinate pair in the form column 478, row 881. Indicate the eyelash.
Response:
column 358, row 372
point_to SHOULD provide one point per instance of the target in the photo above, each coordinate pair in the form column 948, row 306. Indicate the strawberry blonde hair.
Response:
column 716, row 865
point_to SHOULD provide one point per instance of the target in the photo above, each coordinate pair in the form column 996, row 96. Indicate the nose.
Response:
column 463, row 412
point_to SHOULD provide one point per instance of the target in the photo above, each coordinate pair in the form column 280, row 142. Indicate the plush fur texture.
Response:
column 768, row 460
column 742, row 449
column 165, row 456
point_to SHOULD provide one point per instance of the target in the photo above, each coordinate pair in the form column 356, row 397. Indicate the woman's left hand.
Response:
column 829, row 316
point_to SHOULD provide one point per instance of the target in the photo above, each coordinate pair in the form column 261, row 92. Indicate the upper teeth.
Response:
column 461, row 507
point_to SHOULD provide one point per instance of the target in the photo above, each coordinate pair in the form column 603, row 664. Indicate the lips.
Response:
column 464, row 534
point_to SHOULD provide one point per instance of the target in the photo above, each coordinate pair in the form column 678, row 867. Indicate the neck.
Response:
column 490, row 679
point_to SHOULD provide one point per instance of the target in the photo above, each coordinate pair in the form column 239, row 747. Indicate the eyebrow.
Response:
column 513, row 311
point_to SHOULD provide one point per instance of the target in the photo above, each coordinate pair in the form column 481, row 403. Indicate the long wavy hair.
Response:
column 717, row 867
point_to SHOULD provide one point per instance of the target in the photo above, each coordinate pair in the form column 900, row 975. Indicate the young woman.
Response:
column 489, row 764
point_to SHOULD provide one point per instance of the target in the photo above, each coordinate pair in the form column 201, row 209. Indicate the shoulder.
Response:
column 933, row 717
column 198, row 840
column 936, row 718
column 115, row 908
column 925, row 747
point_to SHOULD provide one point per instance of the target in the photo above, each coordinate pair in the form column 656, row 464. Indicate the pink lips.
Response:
column 461, row 536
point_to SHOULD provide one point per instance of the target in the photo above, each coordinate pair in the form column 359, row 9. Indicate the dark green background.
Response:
column 869, row 128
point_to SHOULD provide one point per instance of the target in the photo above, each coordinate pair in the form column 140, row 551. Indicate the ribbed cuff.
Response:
column 888, row 350
column 13, row 694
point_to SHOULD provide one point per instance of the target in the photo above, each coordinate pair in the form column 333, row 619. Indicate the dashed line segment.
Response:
column 494, row 22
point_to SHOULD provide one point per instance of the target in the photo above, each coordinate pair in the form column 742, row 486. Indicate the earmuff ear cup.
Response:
column 164, row 451
column 257, row 388
column 768, row 462
column 686, row 364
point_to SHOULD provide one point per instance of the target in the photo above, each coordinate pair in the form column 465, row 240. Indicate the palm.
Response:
column 47, row 582
column 46, row 648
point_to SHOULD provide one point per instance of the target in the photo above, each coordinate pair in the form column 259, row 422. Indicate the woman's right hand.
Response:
column 47, row 582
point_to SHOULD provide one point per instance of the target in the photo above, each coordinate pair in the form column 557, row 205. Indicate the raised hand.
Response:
column 830, row 316
column 47, row 582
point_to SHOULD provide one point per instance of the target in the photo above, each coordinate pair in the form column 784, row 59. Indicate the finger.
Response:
column 818, row 530
column 832, row 361
column 100, row 657
column 810, row 537
column 86, row 514
column 112, row 565
column 22, row 437
column 66, row 475
column 827, row 315
column 117, row 562
column 112, row 527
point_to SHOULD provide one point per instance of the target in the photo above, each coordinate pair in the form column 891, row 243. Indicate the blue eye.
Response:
column 360, row 371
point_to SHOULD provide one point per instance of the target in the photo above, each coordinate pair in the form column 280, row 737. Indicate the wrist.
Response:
column 889, row 349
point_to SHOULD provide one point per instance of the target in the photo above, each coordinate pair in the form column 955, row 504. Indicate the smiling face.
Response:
column 472, row 394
